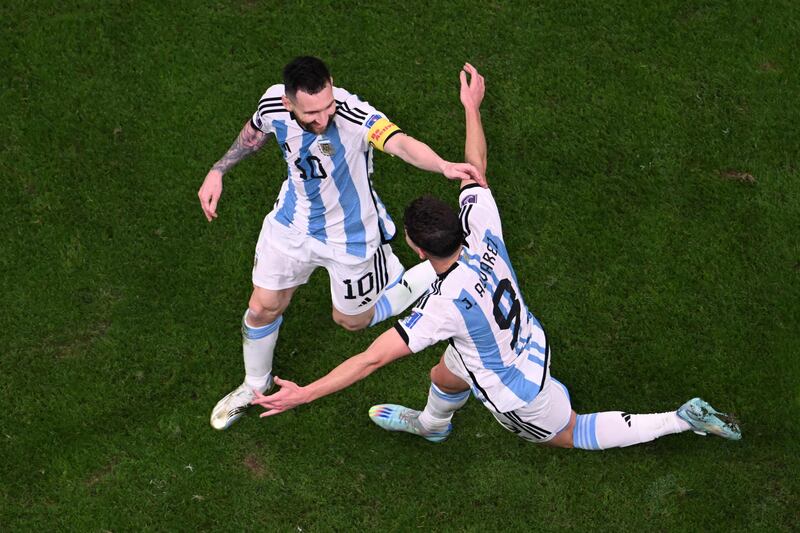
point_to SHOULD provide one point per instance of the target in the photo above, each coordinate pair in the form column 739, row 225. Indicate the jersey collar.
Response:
column 446, row 272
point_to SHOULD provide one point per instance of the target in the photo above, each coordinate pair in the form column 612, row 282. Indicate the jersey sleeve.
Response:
column 269, row 106
column 376, row 127
column 478, row 213
column 427, row 325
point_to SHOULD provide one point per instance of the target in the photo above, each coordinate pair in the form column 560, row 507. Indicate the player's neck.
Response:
column 441, row 266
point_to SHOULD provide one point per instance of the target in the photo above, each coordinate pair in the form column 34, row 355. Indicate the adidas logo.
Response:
column 237, row 410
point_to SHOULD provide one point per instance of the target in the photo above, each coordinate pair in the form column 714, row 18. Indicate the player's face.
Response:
column 314, row 112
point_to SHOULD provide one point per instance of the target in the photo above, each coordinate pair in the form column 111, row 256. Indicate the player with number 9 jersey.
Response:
column 498, row 344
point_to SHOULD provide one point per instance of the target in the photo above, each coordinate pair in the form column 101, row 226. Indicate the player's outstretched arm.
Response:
column 386, row 348
column 423, row 157
column 249, row 140
column 472, row 92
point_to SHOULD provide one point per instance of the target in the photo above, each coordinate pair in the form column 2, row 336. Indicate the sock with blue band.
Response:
column 403, row 292
column 440, row 408
column 258, row 347
column 615, row 429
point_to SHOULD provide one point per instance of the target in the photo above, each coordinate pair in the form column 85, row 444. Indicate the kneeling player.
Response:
column 498, row 349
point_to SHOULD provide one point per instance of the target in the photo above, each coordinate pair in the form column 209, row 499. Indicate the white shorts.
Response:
column 285, row 259
column 540, row 420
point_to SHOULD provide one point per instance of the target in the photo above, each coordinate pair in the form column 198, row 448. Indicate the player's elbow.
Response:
column 251, row 137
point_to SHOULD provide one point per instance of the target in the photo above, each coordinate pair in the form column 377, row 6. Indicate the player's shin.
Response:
column 615, row 429
column 399, row 296
column 440, row 408
column 258, row 347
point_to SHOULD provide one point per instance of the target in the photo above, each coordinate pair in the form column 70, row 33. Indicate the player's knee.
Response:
column 350, row 323
column 561, row 441
column 446, row 381
column 260, row 316
column 262, row 313
column 435, row 377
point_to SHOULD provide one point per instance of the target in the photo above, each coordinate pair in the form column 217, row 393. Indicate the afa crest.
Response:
column 326, row 148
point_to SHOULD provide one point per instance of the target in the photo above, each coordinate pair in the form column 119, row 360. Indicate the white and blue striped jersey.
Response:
column 328, row 192
column 478, row 307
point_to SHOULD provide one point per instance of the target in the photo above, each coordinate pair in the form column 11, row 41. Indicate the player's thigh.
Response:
column 276, row 272
column 446, row 379
column 355, row 289
column 450, row 374
column 563, row 438
column 544, row 418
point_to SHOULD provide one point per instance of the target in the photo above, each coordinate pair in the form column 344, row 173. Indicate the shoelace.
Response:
column 411, row 419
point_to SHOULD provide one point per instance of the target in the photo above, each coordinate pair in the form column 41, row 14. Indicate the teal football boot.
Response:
column 705, row 419
column 398, row 418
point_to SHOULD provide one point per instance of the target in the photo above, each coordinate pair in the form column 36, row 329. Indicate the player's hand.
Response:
column 463, row 171
column 210, row 192
column 472, row 91
column 288, row 397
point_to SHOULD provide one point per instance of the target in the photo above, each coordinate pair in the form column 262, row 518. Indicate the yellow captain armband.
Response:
column 380, row 130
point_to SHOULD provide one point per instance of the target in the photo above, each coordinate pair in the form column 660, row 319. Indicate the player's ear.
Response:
column 287, row 103
column 422, row 254
column 416, row 249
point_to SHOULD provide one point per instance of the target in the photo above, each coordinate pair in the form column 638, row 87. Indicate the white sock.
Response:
column 440, row 408
column 615, row 429
column 404, row 291
column 258, row 347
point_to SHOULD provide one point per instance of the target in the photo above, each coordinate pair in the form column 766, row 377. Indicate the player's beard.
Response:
column 309, row 126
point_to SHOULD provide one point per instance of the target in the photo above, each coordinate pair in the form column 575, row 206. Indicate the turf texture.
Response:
column 645, row 160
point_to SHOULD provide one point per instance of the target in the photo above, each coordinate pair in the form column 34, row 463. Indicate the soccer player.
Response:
column 327, row 214
column 497, row 348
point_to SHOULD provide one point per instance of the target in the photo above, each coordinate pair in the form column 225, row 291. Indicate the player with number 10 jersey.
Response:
column 328, row 193
column 327, row 215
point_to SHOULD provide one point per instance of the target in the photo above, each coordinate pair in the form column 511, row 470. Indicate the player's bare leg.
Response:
column 260, row 326
column 563, row 438
column 353, row 322
column 266, row 306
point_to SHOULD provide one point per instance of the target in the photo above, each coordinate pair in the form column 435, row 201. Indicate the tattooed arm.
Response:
column 248, row 141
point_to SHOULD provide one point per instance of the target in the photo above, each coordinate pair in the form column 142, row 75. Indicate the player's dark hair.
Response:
column 306, row 73
column 433, row 226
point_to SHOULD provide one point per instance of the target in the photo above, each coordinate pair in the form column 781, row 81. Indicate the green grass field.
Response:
column 645, row 161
